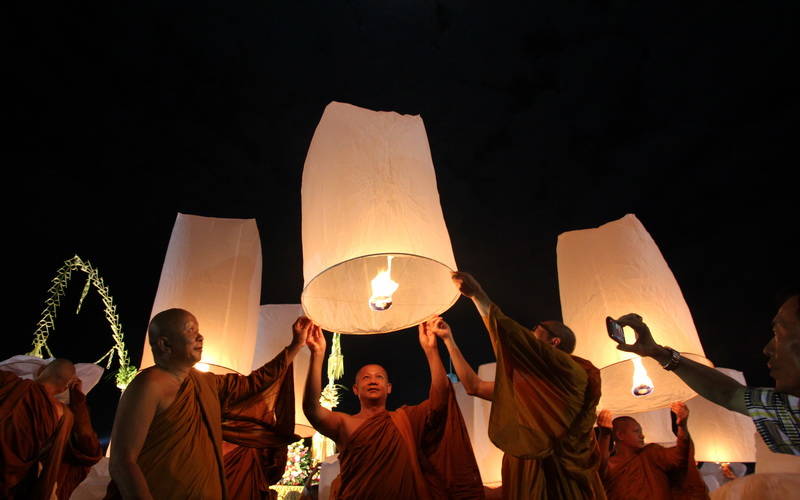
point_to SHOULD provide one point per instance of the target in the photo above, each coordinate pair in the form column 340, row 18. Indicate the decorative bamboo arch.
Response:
column 46, row 324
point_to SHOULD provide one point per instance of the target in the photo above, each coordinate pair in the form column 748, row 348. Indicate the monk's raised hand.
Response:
column 440, row 328
column 300, row 330
column 644, row 345
column 681, row 412
column 316, row 340
column 427, row 339
column 466, row 284
column 605, row 418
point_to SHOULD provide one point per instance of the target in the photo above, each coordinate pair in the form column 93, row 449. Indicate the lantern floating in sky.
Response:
column 610, row 271
column 213, row 270
column 376, row 252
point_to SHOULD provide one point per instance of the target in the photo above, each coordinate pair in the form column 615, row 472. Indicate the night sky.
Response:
column 542, row 117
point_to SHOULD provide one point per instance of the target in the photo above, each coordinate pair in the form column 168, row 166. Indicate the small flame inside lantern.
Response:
column 382, row 288
column 642, row 385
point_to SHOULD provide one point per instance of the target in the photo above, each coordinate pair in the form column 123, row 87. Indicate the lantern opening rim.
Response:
column 456, row 294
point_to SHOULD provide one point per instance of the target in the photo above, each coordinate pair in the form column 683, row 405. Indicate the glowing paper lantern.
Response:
column 488, row 456
column 610, row 271
column 371, row 213
column 275, row 333
column 721, row 435
column 213, row 270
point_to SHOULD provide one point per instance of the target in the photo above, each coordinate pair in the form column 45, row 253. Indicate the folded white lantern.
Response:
column 376, row 252
column 213, row 270
column 610, row 271
column 721, row 435
column 274, row 334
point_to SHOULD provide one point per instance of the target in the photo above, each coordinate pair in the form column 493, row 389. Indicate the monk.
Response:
column 46, row 446
column 651, row 471
column 168, row 431
column 543, row 404
column 417, row 452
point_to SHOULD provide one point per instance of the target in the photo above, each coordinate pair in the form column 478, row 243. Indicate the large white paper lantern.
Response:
column 213, row 270
column 610, row 271
column 370, row 205
column 488, row 456
column 274, row 334
column 721, row 435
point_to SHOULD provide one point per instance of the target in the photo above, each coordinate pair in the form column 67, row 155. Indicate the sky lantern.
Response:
column 213, row 270
column 721, row 435
column 610, row 271
column 275, row 333
column 376, row 251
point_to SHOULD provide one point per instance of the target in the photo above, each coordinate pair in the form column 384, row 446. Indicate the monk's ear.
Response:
column 163, row 344
column 389, row 388
column 355, row 390
column 555, row 341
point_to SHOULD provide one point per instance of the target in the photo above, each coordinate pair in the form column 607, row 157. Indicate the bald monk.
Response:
column 651, row 471
column 167, row 432
column 417, row 452
column 543, row 404
column 45, row 444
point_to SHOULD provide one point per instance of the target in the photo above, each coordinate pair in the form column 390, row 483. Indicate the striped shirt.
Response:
column 776, row 416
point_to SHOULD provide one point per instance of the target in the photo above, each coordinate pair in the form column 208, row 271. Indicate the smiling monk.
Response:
column 167, row 432
column 421, row 452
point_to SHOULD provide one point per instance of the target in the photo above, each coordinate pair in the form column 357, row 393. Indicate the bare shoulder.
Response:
column 151, row 385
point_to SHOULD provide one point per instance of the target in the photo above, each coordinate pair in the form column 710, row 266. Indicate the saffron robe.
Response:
column 33, row 434
column 182, row 454
column 655, row 473
column 258, row 431
column 417, row 452
column 543, row 411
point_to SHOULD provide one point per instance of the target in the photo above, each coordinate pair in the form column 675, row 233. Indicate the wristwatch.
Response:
column 674, row 359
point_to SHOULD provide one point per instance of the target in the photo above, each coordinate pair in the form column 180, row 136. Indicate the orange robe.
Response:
column 543, row 411
column 655, row 473
column 182, row 454
column 33, row 434
column 258, row 431
column 416, row 452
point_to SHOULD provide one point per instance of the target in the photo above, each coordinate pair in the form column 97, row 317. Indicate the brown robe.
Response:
column 416, row 452
column 543, row 411
column 258, row 431
column 182, row 454
column 655, row 473
column 33, row 434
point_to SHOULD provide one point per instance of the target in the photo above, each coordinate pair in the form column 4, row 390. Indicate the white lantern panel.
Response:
column 213, row 270
column 274, row 334
column 488, row 456
column 369, row 192
column 614, row 270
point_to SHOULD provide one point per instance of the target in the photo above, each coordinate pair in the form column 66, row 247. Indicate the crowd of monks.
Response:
column 180, row 433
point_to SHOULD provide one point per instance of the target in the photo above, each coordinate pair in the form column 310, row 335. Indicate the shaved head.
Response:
column 627, row 431
column 372, row 366
column 56, row 375
column 168, row 324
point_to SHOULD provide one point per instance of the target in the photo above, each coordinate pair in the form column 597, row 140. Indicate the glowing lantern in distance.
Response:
column 372, row 218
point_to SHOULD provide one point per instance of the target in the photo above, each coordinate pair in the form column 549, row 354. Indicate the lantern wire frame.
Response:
column 303, row 296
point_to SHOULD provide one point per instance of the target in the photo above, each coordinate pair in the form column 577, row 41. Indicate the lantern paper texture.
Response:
column 721, row 435
column 213, row 270
column 614, row 270
column 274, row 334
column 488, row 456
column 369, row 192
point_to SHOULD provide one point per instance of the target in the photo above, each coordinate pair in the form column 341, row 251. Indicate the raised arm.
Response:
column 706, row 381
column 439, row 383
column 469, row 287
column 325, row 421
column 604, row 420
column 135, row 413
column 473, row 384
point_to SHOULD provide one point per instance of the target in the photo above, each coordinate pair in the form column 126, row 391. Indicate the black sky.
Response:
column 542, row 117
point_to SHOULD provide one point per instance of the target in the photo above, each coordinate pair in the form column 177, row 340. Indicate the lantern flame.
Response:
column 382, row 288
column 642, row 384
column 203, row 367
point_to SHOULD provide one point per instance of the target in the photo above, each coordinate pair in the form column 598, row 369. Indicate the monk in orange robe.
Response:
column 543, row 404
column 417, row 452
column 39, row 432
column 651, row 471
column 168, row 432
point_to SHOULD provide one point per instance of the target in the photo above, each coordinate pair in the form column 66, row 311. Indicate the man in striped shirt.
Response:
column 775, row 411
